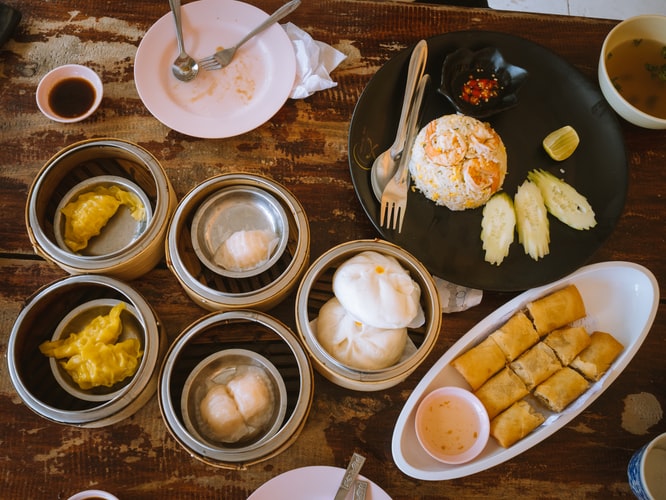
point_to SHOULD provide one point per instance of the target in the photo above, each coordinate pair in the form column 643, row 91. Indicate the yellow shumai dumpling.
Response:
column 87, row 216
column 93, row 357
column 378, row 291
column 356, row 344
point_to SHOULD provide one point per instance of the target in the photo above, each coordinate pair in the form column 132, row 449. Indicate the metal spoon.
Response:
column 385, row 164
column 185, row 68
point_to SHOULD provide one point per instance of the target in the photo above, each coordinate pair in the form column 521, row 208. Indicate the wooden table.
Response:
column 304, row 146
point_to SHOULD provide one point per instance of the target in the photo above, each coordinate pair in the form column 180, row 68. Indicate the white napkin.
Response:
column 314, row 62
column 456, row 298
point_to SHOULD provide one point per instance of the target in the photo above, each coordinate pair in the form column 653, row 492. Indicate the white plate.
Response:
column 620, row 298
column 225, row 102
column 319, row 482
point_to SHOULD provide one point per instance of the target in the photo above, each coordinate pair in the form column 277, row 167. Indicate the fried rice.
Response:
column 458, row 161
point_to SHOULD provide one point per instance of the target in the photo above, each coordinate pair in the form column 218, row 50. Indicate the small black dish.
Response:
column 480, row 83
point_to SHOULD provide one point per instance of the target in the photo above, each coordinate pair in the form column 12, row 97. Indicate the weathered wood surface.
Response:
column 304, row 146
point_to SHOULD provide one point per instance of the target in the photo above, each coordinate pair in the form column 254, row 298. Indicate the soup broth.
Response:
column 637, row 69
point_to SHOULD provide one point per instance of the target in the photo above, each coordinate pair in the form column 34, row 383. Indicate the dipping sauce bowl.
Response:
column 452, row 425
column 69, row 93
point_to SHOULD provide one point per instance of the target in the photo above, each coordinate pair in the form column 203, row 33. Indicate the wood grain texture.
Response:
column 304, row 147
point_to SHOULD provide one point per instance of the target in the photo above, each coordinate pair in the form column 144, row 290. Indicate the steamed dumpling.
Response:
column 238, row 409
column 221, row 418
column 253, row 396
column 356, row 344
column 378, row 291
column 246, row 250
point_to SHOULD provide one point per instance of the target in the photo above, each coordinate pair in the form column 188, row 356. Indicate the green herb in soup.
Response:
column 637, row 69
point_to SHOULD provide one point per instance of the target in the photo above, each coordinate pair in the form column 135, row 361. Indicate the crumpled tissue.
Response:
column 456, row 298
column 315, row 61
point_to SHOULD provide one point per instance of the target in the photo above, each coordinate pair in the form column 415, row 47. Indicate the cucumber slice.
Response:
column 561, row 143
column 563, row 201
column 497, row 227
column 532, row 220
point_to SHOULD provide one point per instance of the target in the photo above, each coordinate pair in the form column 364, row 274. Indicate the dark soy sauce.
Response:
column 72, row 97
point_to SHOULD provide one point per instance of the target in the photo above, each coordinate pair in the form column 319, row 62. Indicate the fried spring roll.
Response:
column 596, row 358
column 501, row 391
column 536, row 365
column 480, row 363
column 561, row 389
column 515, row 336
column 568, row 342
column 515, row 423
column 557, row 309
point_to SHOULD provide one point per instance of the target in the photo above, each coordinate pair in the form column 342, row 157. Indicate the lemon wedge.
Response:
column 561, row 143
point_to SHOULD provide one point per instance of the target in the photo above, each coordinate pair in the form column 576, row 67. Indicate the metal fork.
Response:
column 394, row 196
column 223, row 57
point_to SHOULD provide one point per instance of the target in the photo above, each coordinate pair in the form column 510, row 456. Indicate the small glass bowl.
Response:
column 480, row 83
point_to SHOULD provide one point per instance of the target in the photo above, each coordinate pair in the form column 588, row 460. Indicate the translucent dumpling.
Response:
column 222, row 419
column 246, row 250
column 253, row 396
column 356, row 344
column 378, row 291
column 239, row 408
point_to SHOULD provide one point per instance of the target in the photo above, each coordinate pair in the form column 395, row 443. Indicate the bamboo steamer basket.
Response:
column 81, row 163
column 316, row 289
column 246, row 330
column 31, row 371
column 215, row 292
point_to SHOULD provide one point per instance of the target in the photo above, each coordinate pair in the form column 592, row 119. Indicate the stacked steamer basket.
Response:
column 126, row 247
column 47, row 314
column 237, row 332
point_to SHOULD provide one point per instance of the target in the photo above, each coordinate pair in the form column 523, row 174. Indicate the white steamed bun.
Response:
column 377, row 291
column 356, row 344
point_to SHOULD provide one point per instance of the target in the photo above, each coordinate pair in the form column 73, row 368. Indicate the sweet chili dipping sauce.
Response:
column 72, row 97
column 479, row 89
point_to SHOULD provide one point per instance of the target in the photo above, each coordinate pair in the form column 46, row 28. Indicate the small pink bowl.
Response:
column 452, row 425
column 55, row 77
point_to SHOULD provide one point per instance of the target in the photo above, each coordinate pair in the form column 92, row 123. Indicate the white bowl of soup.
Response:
column 632, row 70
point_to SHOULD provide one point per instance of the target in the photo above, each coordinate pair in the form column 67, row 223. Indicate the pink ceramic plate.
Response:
column 310, row 483
column 221, row 103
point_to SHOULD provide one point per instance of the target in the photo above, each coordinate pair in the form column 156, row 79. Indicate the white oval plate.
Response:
column 620, row 298
column 317, row 482
column 225, row 102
